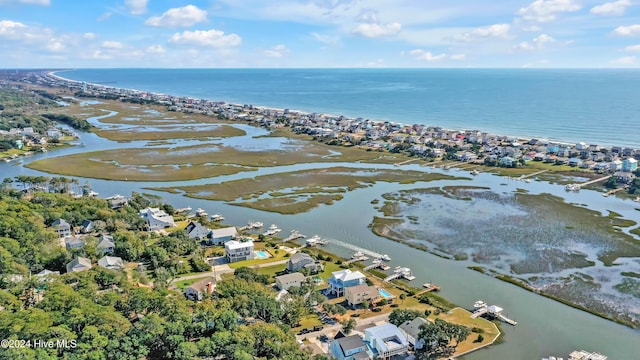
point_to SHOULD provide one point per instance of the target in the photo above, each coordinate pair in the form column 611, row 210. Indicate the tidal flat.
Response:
column 555, row 248
column 299, row 191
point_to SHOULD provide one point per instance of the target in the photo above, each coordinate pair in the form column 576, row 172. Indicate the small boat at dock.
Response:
column 200, row 212
column 217, row 217
column 357, row 255
column 385, row 257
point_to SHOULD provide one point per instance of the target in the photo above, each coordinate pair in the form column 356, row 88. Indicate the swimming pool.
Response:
column 385, row 294
column 261, row 254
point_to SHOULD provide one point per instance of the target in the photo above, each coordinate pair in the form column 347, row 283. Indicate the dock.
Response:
column 577, row 187
column 533, row 174
column 428, row 287
column 492, row 310
column 377, row 264
column 400, row 272
column 405, row 162
column 294, row 236
column 611, row 192
column 356, row 259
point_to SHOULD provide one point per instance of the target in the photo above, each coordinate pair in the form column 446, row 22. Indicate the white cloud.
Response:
column 625, row 61
column 179, row 17
column 631, row 30
column 55, row 45
column 89, row 36
column 30, row 2
column 423, row 55
column 458, row 57
column 112, row 45
column 136, row 7
column 211, row 38
column 632, row 48
column 277, row 51
column 156, row 49
column 485, row 32
column 547, row 10
column 537, row 43
column 611, row 8
column 326, row 39
column 11, row 29
column 377, row 30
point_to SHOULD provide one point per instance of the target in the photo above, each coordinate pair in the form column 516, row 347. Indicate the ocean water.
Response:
column 595, row 106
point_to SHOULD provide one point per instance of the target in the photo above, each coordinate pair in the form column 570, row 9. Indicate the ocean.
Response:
column 595, row 106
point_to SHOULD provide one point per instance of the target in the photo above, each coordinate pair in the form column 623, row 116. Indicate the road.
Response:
column 218, row 270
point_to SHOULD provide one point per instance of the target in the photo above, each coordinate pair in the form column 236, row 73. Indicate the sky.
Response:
column 319, row 33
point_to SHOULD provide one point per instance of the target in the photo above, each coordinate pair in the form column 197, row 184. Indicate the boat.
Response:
column 474, row 172
column 274, row 227
column 385, row 257
column 200, row 212
column 92, row 193
column 637, row 199
column 527, row 180
column 254, row 225
column 217, row 217
column 572, row 187
column 182, row 210
column 357, row 255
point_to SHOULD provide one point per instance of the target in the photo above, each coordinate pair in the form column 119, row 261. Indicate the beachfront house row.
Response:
column 343, row 279
column 356, row 295
column 286, row 281
column 62, row 228
column 199, row 289
column 386, row 340
column 300, row 260
column 238, row 251
column 411, row 329
column 79, row 264
column 111, row 262
column 157, row 219
column 350, row 348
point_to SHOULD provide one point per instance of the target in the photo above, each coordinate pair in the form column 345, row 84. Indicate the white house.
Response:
column 284, row 282
column 222, row 235
column 386, row 340
column 157, row 219
column 343, row 279
column 238, row 251
column 62, row 228
column 111, row 262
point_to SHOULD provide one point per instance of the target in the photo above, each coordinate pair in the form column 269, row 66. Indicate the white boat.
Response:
column 474, row 172
column 217, row 217
column 527, row 180
column 183, row 210
column 637, row 199
column 255, row 225
column 274, row 227
column 357, row 255
column 92, row 193
column 572, row 187
column 479, row 304
column 200, row 212
column 385, row 257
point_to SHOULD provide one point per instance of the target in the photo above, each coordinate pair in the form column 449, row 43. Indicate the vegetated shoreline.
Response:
column 502, row 277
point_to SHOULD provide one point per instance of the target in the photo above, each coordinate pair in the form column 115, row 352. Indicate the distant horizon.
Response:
column 57, row 69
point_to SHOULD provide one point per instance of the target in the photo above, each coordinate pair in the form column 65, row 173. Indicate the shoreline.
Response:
column 521, row 137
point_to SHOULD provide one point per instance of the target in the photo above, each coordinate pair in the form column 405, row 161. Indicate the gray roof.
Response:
column 105, row 241
column 224, row 232
column 111, row 262
column 412, row 327
column 349, row 343
column 300, row 256
column 296, row 276
column 197, row 231
column 61, row 223
column 79, row 263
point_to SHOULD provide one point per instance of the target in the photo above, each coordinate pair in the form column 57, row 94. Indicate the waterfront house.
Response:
column 300, row 260
column 284, row 282
column 62, row 228
column 350, row 348
column 87, row 226
column 222, row 235
column 79, row 264
column 197, row 231
column 343, row 279
column 238, row 251
column 386, row 340
column 117, row 201
column 356, row 295
column 411, row 329
column 157, row 219
column 200, row 288
column 106, row 244
column 629, row 165
column 111, row 262
column 615, row 165
column 74, row 242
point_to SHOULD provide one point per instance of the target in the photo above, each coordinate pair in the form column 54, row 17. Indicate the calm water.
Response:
column 545, row 327
column 595, row 106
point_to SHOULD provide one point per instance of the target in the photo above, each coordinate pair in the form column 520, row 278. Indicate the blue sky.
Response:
column 319, row 33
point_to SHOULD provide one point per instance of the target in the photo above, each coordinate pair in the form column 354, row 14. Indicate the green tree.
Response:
column 399, row 316
column 441, row 339
column 348, row 325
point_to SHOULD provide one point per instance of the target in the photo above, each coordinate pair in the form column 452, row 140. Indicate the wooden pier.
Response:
column 492, row 310
column 533, row 174
column 428, row 288
column 377, row 264
column 405, row 162
column 356, row 259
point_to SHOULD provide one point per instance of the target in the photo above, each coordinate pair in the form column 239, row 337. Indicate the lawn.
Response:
column 271, row 270
column 308, row 321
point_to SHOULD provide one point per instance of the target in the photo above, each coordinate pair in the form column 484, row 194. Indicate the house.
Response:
column 79, row 264
column 238, row 251
column 350, row 348
column 197, row 231
column 111, row 262
column 386, row 340
column 106, row 244
column 201, row 288
column 62, row 228
column 358, row 294
column 157, row 219
column 412, row 331
column 575, row 162
column 629, row 165
column 87, row 226
column 343, row 279
column 47, row 275
column 117, row 201
column 284, row 282
column 74, row 242
column 222, row 235
column 301, row 261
